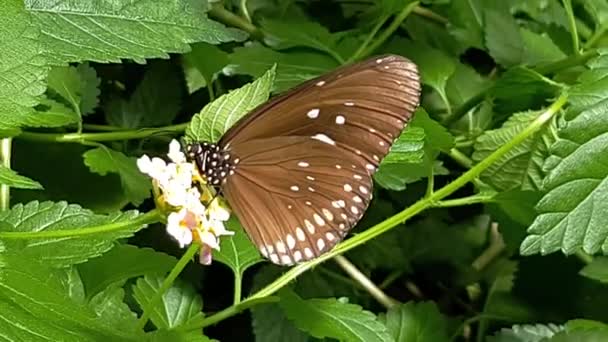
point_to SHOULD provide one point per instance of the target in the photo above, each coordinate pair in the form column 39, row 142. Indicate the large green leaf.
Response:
column 89, row 30
column 332, row 318
column 218, row 116
column 121, row 263
column 525, row 333
column 11, row 178
column 521, row 167
column 64, row 251
column 135, row 184
column 572, row 213
column 179, row 305
column 420, row 322
column 36, row 307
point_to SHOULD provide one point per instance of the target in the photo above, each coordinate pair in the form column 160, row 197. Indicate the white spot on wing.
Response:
column 297, row 256
column 300, row 234
column 294, row 188
column 313, row 113
column 324, row 138
column 310, row 178
column 319, row 219
column 340, row 120
column 320, row 244
column 308, row 252
column 357, row 199
column 320, row 83
column 363, row 189
column 274, row 258
column 281, row 247
column 328, row 215
column 349, row 104
column 303, row 164
column 311, row 189
column 330, row 236
column 309, row 226
column 348, row 188
column 286, row 259
column 354, row 210
column 291, row 242
column 358, row 177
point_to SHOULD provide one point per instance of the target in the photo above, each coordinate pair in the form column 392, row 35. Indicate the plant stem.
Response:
column 221, row 14
column 103, row 128
column 359, row 53
column 458, row 202
column 466, row 107
column 572, row 24
column 237, row 289
column 391, row 28
column 367, row 284
column 147, row 218
column 245, row 11
column 461, row 158
column 567, row 62
column 417, row 207
column 233, row 310
column 177, row 269
column 427, row 13
column 5, row 161
column 105, row 136
column 597, row 35
column 496, row 246
column 584, row 257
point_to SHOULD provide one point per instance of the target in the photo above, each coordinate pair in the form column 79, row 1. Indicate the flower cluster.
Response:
column 178, row 186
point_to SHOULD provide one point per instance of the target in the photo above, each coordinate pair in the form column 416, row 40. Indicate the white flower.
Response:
column 189, row 219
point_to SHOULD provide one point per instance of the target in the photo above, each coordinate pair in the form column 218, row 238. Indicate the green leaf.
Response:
column 12, row 179
column 36, row 307
column 102, row 160
column 525, row 333
column 331, row 318
column 502, row 37
column 216, row 117
column 155, row 102
column 110, row 307
column 65, row 81
column 271, row 325
column 24, row 67
column 179, row 305
column 237, row 252
column 435, row 136
column 464, row 84
column 416, row 322
column 408, row 148
column 51, row 113
column 597, row 269
column 163, row 335
column 595, row 335
column 398, row 176
column 521, row 167
column 72, row 283
column 571, row 214
column 202, row 65
column 592, row 87
column 300, row 33
column 65, row 251
column 88, row 30
column 539, row 48
column 121, row 263
column 466, row 22
column 90, row 88
column 598, row 9
column 293, row 67
column 520, row 89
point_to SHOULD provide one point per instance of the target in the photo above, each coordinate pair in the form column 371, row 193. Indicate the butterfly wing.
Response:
column 334, row 129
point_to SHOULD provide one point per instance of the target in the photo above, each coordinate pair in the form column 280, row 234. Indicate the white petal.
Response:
column 209, row 239
column 175, row 152
column 218, row 212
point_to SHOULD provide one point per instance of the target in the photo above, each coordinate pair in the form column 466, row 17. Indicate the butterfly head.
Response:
column 213, row 162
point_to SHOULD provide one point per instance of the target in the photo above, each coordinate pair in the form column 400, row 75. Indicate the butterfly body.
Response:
column 297, row 170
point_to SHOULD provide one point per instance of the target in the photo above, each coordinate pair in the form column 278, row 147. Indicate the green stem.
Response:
column 417, row 207
column 458, row 202
column 219, row 13
column 391, row 28
column 599, row 33
column 427, row 13
column 359, row 53
column 147, row 218
column 572, row 24
column 5, row 160
column 567, row 62
column 233, row 310
column 466, row 107
column 237, row 289
column 430, row 182
column 460, row 158
column 245, row 11
column 365, row 282
column 105, row 136
column 177, row 269
column 476, row 319
column 584, row 257
column 103, row 128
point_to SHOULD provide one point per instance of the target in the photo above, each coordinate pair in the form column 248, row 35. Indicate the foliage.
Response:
column 489, row 214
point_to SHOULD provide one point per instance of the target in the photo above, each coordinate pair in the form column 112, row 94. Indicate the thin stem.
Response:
column 430, row 182
column 105, row 136
column 147, row 218
column 245, row 11
column 221, row 14
column 417, row 207
column 396, row 274
column 237, row 289
column 476, row 319
column 584, row 257
column 458, row 202
column 391, row 28
column 495, row 248
column 5, row 160
column 573, row 28
column 359, row 53
column 367, row 284
column 177, row 269
column 599, row 33
column 102, row 128
column 567, row 62
column 460, row 158
column 233, row 310
column 427, row 13
column 466, row 107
